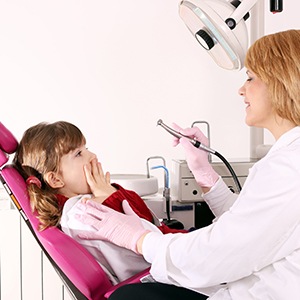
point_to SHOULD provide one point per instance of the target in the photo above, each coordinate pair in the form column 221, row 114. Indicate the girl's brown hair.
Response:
column 39, row 152
column 275, row 59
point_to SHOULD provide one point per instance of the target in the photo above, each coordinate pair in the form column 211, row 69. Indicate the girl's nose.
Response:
column 93, row 156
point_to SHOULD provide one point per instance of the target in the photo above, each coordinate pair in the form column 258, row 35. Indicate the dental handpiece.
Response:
column 179, row 135
column 197, row 144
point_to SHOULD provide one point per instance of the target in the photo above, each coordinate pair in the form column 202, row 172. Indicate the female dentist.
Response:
column 252, row 249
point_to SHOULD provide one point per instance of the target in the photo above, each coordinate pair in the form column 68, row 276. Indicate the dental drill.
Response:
column 199, row 145
column 179, row 135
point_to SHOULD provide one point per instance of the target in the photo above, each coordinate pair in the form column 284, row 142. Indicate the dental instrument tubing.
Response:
column 198, row 144
column 166, row 192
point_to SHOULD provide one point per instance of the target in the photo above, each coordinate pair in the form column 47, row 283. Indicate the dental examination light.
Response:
column 197, row 144
column 219, row 26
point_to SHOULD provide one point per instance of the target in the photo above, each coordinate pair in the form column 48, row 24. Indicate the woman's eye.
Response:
column 78, row 153
column 249, row 79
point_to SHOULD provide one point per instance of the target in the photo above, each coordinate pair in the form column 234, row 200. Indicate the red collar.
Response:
column 61, row 199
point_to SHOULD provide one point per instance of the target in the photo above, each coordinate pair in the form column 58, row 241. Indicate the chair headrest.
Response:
column 8, row 144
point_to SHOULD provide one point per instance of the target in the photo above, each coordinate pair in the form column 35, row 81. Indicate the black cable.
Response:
column 230, row 169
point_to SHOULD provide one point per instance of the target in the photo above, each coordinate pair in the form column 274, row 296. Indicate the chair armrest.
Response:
column 134, row 279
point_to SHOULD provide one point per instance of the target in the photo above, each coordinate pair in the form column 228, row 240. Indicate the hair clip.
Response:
column 34, row 180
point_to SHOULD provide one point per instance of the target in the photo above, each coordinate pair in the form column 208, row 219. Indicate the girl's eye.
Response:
column 78, row 153
column 249, row 79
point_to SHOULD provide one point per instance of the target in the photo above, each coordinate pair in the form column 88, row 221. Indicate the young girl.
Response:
column 59, row 171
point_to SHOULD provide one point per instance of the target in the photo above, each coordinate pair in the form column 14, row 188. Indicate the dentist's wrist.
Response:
column 139, row 244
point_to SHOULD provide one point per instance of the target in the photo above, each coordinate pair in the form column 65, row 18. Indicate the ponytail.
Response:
column 43, row 198
column 45, row 203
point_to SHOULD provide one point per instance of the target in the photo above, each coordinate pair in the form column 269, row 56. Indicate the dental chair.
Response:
column 77, row 268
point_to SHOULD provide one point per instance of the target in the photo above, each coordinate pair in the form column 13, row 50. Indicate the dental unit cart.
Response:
column 187, row 205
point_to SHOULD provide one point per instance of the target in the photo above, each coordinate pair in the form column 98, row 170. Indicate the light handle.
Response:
column 239, row 13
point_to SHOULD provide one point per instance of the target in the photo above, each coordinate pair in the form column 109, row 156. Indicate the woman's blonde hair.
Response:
column 39, row 152
column 275, row 59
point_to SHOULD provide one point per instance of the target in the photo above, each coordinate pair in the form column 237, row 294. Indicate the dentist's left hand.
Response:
column 98, row 181
column 124, row 230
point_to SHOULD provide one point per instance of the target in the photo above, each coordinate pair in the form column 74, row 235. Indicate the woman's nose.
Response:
column 241, row 91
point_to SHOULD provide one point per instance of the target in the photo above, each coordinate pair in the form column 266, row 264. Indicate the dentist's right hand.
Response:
column 125, row 230
column 197, row 159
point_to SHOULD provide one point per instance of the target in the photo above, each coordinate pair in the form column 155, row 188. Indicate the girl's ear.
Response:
column 54, row 180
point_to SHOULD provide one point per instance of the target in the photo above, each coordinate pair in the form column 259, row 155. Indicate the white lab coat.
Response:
column 118, row 263
column 252, row 250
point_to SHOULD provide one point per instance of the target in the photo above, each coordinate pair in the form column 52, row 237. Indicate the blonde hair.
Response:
column 275, row 59
column 39, row 152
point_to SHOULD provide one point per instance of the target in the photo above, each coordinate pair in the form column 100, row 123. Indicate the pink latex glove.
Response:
column 123, row 230
column 197, row 159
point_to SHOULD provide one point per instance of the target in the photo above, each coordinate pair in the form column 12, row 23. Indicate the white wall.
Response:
column 114, row 68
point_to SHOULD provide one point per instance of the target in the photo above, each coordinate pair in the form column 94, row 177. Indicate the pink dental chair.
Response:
column 78, row 269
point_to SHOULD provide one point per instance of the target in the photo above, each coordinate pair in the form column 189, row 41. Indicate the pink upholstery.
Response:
column 8, row 143
column 3, row 158
column 134, row 279
column 79, row 270
column 75, row 261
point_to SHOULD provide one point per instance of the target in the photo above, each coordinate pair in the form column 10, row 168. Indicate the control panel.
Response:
column 184, row 187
